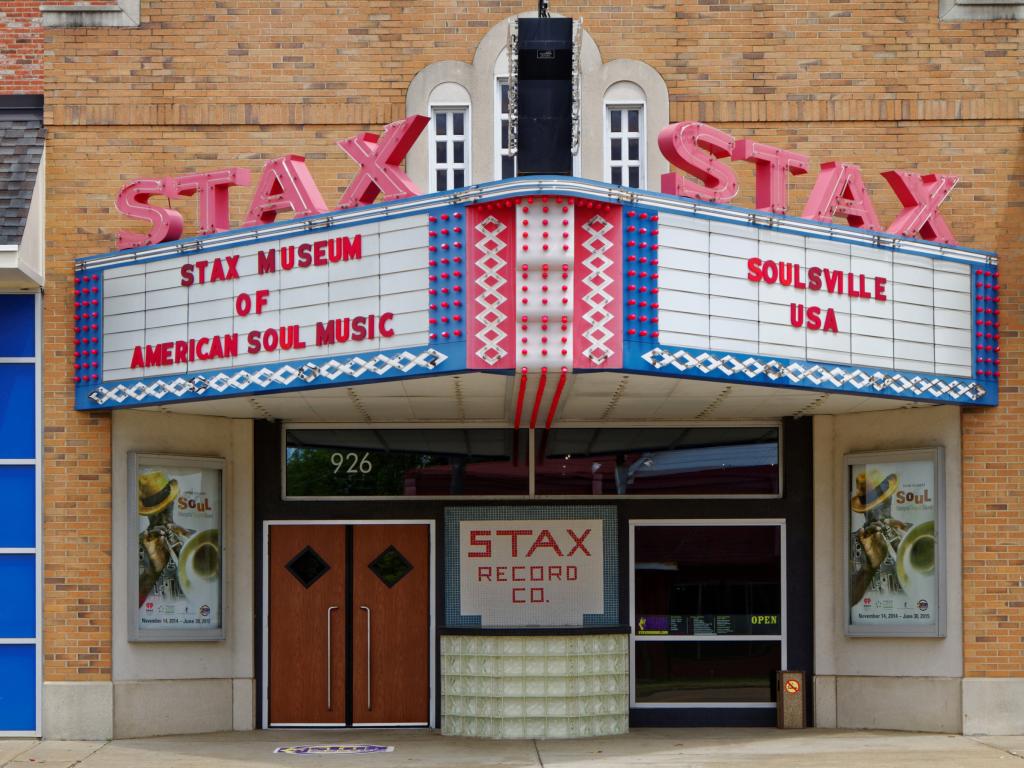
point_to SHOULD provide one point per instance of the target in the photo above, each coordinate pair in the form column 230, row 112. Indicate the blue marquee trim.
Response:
column 743, row 368
column 266, row 378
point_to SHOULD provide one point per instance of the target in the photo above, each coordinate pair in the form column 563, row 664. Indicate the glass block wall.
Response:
column 553, row 687
column 19, row 515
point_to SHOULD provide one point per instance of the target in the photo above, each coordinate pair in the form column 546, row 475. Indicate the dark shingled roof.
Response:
column 21, row 149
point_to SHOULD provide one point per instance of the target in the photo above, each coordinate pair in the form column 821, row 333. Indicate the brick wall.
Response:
column 21, row 47
column 204, row 84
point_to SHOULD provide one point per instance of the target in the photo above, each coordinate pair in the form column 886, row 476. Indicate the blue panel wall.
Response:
column 18, row 692
column 19, row 514
column 18, row 608
column 17, row 410
column 17, row 319
column 18, row 510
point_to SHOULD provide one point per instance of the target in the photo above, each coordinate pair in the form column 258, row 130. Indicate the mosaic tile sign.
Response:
column 530, row 569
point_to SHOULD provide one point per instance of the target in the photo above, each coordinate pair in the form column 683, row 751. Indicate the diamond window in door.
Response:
column 307, row 567
column 390, row 566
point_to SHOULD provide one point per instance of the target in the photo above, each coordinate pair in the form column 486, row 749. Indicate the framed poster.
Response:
column 176, row 536
column 895, row 544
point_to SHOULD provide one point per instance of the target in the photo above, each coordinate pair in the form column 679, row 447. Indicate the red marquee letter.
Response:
column 378, row 159
column 285, row 185
column 839, row 191
column 213, row 195
column 687, row 146
column 921, row 197
column 773, row 167
column 133, row 200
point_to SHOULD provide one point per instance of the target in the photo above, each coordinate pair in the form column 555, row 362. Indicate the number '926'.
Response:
column 351, row 463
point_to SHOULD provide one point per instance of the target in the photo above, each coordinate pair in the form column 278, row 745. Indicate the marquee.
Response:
column 552, row 274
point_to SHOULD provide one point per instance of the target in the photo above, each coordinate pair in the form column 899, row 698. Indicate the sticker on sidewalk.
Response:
column 333, row 749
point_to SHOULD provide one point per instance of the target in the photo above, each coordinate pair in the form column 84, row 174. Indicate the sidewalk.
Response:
column 677, row 747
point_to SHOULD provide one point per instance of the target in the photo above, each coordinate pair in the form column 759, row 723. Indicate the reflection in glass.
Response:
column 390, row 566
column 706, row 672
column 406, row 462
column 707, row 580
column 691, row 461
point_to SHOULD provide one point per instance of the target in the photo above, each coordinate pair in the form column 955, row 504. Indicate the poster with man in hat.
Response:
column 179, row 546
column 892, row 516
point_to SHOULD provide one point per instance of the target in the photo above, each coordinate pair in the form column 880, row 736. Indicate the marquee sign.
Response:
column 554, row 274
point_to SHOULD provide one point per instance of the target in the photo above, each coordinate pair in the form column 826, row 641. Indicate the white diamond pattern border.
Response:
column 491, row 298
column 597, row 299
column 819, row 375
column 264, row 377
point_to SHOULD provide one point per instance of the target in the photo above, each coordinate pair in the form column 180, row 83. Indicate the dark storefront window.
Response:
column 406, row 462
column 705, row 673
column 702, row 461
column 708, row 612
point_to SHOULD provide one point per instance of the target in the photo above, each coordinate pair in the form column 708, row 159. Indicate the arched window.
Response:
column 625, row 145
column 450, row 151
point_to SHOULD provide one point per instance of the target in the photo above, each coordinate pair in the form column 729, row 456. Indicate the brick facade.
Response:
column 21, row 47
column 203, row 85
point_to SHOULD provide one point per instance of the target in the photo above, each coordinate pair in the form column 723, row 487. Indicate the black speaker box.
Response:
column 545, row 96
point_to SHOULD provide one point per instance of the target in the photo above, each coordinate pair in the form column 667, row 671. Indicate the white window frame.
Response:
column 532, row 462
column 500, row 153
column 625, row 164
column 450, row 166
column 782, row 637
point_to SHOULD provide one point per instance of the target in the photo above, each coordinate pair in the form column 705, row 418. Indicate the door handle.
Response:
column 330, row 670
column 369, row 674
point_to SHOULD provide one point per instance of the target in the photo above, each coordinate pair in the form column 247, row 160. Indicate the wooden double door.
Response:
column 349, row 624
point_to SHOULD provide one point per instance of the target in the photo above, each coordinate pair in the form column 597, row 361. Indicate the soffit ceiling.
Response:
column 590, row 397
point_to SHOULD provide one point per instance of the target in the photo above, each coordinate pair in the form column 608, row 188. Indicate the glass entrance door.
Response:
column 708, row 612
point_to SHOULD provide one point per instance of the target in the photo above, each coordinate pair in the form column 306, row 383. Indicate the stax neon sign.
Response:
column 839, row 190
column 285, row 185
